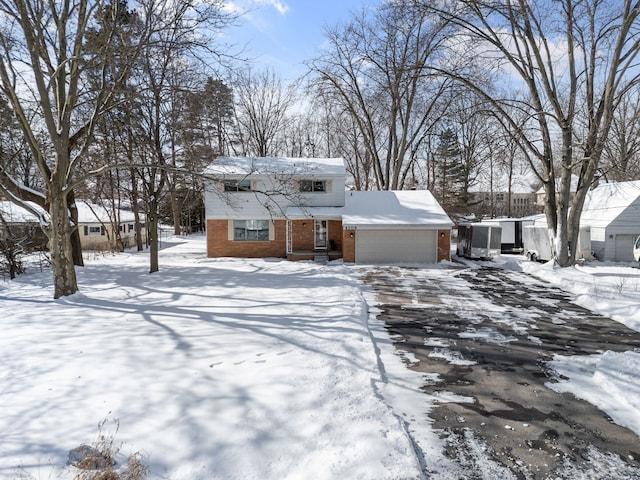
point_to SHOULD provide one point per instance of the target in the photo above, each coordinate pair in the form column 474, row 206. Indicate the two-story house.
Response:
column 298, row 208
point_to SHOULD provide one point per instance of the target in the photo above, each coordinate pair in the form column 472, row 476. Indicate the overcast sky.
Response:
column 284, row 33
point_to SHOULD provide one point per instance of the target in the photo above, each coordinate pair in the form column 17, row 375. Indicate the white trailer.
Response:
column 537, row 243
column 479, row 240
column 511, row 241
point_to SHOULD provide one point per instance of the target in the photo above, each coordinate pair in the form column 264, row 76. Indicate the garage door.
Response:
column 396, row 246
column 624, row 248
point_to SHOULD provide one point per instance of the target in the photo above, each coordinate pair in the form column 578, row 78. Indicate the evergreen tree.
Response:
column 449, row 171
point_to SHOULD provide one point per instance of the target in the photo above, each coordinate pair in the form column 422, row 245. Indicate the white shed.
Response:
column 613, row 212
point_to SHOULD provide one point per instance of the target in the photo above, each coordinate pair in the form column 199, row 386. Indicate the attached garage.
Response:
column 389, row 227
column 396, row 246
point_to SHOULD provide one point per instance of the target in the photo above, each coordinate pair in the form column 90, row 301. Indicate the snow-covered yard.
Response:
column 241, row 369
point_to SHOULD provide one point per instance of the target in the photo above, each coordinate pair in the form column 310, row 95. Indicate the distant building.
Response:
column 495, row 199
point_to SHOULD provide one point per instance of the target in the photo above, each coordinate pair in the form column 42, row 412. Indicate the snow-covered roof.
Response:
column 14, row 213
column 275, row 166
column 607, row 201
column 406, row 208
column 92, row 213
column 301, row 213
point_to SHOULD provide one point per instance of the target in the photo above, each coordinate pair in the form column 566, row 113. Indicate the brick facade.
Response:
column 342, row 242
column 444, row 245
column 219, row 245
column 302, row 236
column 349, row 245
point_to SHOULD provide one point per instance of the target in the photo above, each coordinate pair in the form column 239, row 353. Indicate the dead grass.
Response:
column 99, row 463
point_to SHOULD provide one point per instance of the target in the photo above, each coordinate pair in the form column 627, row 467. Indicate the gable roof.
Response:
column 608, row 201
column 405, row 208
column 244, row 166
column 91, row 213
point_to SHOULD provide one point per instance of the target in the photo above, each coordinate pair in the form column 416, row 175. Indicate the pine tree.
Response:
column 449, row 171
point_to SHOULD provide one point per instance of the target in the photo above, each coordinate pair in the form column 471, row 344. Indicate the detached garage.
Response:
column 395, row 227
column 612, row 210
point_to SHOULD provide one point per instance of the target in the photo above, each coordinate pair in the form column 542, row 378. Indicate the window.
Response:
column 251, row 230
column 313, row 186
column 237, row 185
column 93, row 230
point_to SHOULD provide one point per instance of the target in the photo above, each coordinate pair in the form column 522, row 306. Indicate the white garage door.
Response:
column 396, row 246
column 624, row 248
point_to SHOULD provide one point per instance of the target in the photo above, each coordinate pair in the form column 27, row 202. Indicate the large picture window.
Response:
column 313, row 186
column 251, row 230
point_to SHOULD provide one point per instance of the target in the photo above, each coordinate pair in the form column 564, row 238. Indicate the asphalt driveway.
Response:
column 524, row 425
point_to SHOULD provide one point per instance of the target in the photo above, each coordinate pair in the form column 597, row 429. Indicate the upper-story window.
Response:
column 237, row 185
column 313, row 185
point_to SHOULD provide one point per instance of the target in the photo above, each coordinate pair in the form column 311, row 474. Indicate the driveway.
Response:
column 498, row 356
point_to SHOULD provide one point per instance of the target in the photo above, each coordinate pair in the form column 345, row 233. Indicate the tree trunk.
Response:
column 175, row 206
column 64, row 273
column 76, row 245
column 563, row 257
column 152, row 235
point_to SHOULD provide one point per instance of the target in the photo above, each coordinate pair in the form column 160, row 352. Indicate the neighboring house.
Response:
column 22, row 226
column 97, row 226
column 299, row 209
column 612, row 210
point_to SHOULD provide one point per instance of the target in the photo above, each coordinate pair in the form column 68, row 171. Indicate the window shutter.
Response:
column 101, row 230
column 86, row 230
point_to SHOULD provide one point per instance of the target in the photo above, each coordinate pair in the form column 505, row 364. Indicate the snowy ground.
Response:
column 243, row 369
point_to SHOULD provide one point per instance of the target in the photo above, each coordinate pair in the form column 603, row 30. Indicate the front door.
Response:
column 320, row 236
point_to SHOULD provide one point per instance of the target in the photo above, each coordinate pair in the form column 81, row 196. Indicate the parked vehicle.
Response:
column 537, row 243
column 479, row 240
column 511, row 239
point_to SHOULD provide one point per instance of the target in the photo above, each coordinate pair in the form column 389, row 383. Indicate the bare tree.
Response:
column 262, row 105
column 42, row 74
column 376, row 67
column 621, row 154
column 560, row 55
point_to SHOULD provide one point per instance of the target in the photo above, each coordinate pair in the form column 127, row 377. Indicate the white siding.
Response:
column 396, row 246
column 620, row 233
column 255, row 205
column 624, row 247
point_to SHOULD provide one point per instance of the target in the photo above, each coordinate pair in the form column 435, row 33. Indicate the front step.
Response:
column 321, row 257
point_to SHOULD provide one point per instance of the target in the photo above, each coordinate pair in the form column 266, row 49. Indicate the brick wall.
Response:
column 349, row 246
column 302, row 234
column 335, row 235
column 444, row 245
column 219, row 245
